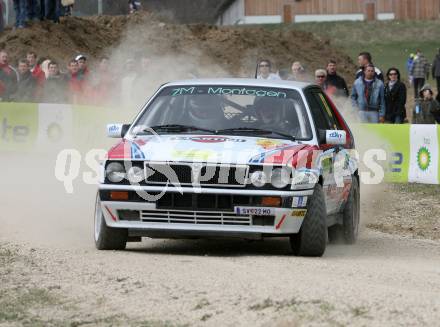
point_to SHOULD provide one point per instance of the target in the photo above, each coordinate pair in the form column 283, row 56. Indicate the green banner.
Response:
column 18, row 126
column 394, row 139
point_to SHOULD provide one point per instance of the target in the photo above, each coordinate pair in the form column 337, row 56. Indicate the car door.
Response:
column 325, row 120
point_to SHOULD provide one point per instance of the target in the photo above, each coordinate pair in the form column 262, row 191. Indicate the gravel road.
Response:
column 51, row 275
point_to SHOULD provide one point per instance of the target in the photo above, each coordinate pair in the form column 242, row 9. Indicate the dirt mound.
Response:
column 233, row 49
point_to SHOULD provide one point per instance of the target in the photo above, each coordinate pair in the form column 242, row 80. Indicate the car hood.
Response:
column 207, row 148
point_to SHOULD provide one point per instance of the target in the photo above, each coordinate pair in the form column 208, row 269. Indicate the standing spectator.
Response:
column 55, row 88
column 83, row 70
column 27, row 84
column 52, row 10
column 365, row 59
column 32, row 10
column 20, row 13
column 409, row 64
column 335, row 80
column 67, row 7
column 8, row 77
column 298, row 72
column 368, row 96
column 395, row 98
column 35, row 68
column 320, row 76
column 127, row 82
column 419, row 71
column 436, row 72
column 2, row 22
column 427, row 109
column 75, row 82
column 264, row 68
column 101, row 84
column 133, row 6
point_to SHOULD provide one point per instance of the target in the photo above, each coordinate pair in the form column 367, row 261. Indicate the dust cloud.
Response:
column 35, row 207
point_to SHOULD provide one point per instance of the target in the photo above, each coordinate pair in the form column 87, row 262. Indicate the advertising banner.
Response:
column 423, row 167
column 412, row 151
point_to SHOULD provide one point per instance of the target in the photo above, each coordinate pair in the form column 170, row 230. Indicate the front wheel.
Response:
column 312, row 237
column 107, row 238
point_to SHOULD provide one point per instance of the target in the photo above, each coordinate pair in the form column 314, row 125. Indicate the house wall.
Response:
column 332, row 10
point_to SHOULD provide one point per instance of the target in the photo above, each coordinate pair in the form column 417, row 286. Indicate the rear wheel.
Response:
column 352, row 214
column 312, row 237
column 107, row 238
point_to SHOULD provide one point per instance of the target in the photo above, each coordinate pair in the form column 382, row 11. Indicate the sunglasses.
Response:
column 320, row 76
column 264, row 65
column 391, row 74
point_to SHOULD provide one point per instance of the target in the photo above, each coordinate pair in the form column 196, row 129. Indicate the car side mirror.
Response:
column 333, row 136
column 117, row 130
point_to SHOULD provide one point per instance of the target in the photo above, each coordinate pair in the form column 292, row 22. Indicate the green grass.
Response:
column 389, row 42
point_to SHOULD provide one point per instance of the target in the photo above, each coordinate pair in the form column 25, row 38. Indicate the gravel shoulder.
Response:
column 383, row 280
column 407, row 209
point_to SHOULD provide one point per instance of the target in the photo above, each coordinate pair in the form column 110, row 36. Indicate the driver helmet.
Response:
column 268, row 111
column 204, row 109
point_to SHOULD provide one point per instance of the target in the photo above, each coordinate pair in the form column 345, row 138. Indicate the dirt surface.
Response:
column 407, row 209
column 234, row 50
column 382, row 280
column 51, row 274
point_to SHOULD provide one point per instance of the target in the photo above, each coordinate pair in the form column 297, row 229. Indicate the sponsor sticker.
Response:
column 298, row 213
column 299, row 201
column 192, row 154
column 269, row 144
column 262, row 211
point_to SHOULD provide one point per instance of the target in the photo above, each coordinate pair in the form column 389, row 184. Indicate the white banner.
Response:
column 423, row 164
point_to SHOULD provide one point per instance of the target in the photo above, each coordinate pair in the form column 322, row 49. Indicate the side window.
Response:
column 317, row 110
column 328, row 111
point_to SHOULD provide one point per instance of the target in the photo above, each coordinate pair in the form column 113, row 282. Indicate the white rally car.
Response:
column 231, row 158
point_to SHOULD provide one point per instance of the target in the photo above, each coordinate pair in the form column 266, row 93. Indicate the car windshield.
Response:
column 216, row 109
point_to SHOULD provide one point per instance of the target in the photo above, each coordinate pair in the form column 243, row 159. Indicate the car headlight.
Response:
column 258, row 178
column 304, row 180
column 135, row 174
column 280, row 177
column 115, row 172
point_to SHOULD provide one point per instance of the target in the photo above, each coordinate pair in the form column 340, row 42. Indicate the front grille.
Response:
column 203, row 174
column 205, row 202
column 194, row 217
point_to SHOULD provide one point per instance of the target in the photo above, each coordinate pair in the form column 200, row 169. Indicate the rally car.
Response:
column 231, row 158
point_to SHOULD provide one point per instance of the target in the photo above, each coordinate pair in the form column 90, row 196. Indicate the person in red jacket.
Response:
column 83, row 70
column 8, row 77
column 75, row 82
column 36, row 70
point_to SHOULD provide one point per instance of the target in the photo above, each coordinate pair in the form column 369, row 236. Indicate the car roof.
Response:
column 241, row 82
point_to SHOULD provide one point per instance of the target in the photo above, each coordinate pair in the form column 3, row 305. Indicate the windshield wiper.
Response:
column 255, row 131
column 177, row 128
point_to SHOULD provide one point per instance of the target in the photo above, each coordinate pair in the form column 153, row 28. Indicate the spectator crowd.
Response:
column 374, row 98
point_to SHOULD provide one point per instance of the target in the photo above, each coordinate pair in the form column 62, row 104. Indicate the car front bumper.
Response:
column 145, row 219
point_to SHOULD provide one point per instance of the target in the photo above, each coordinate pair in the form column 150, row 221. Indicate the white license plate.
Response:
column 255, row 211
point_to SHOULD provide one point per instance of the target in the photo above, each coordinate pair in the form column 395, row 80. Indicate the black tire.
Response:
column 348, row 232
column 351, row 214
column 312, row 237
column 107, row 238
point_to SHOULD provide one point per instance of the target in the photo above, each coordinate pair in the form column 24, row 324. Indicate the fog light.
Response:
column 130, row 215
column 114, row 195
column 271, row 201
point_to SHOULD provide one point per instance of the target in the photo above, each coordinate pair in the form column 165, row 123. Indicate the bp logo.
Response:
column 423, row 158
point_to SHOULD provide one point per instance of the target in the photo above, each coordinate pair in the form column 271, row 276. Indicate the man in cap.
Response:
column 83, row 70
